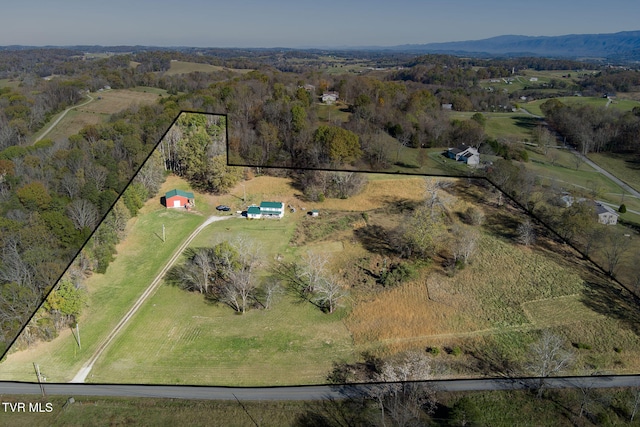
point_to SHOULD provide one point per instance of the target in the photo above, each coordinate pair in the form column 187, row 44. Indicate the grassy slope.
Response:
column 624, row 167
column 499, row 301
column 509, row 126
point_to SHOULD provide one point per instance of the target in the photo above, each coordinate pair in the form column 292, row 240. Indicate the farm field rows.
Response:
column 498, row 302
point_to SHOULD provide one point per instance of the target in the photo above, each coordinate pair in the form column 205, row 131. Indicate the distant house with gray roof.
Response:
column 606, row 214
column 464, row 153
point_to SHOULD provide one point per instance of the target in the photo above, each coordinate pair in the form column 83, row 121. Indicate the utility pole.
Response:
column 78, row 335
column 37, row 369
column 244, row 192
column 163, row 234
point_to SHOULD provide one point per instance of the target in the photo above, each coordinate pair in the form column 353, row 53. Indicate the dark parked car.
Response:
column 223, row 208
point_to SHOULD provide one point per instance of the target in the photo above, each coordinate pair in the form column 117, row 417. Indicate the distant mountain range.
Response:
column 623, row 45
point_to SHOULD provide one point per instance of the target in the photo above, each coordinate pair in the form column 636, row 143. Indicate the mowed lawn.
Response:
column 584, row 178
column 180, row 337
column 509, row 126
column 139, row 259
column 623, row 167
column 620, row 104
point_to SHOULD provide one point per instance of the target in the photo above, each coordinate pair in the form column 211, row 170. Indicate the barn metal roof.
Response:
column 176, row 192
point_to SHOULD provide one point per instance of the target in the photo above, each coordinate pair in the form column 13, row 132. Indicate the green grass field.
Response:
column 141, row 411
column 509, row 126
column 621, row 104
column 331, row 113
column 486, row 408
column 188, row 341
column 624, row 167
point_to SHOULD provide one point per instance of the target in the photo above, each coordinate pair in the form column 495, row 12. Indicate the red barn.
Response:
column 178, row 199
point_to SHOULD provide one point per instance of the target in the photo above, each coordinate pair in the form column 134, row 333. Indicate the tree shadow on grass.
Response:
column 528, row 123
column 502, row 225
column 633, row 163
column 375, row 239
column 472, row 191
column 614, row 301
column 398, row 205
column 331, row 412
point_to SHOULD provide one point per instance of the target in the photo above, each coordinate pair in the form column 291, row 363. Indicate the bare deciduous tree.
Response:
column 464, row 243
column 272, row 289
column 526, row 233
column 329, row 293
column 614, row 249
column 98, row 175
column 636, row 403
column 69, row 185
column 548, row 357
column 83, row 213
column 432, row 198
column 313, row 269
column 399, row 397
column 238, row 288
column 240, row 284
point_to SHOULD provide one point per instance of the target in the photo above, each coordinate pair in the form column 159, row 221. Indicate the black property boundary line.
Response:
column 525, row 210
column 108, row 211
column 227, row 125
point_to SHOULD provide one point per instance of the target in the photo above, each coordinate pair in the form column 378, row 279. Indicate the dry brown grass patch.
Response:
column 114, row 101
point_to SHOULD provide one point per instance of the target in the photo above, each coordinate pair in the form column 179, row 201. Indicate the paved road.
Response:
column 64, row 113
column 81, row 376
column 622, row 184
column 615, row 207
column 304, row 392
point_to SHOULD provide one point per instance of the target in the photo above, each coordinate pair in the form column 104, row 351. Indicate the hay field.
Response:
column 116, row 100
column 97, row 111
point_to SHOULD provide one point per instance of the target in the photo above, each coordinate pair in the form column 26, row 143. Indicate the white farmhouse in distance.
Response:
column 606, row 214
column 330, row 97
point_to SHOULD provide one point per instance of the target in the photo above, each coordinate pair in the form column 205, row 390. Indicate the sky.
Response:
column 302, row 23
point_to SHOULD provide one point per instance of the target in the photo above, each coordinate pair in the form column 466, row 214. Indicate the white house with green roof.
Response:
column 266, row 210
